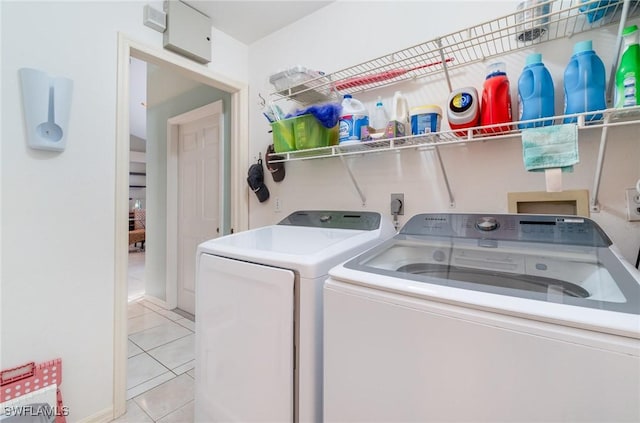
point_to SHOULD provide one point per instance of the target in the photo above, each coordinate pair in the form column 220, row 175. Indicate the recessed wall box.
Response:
column 188, row 31
column 154, row 19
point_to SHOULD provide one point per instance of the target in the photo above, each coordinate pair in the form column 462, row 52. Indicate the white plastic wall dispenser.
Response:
column 46, row 103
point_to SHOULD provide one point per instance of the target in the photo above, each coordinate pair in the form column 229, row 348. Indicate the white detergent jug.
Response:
column 400, row 111
column 354, row 116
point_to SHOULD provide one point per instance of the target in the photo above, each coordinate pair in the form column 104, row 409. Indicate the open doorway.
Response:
column 162, row 290
column 137, row 178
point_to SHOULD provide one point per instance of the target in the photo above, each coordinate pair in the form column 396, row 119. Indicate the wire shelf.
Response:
column 519, row 30
column 610, row 118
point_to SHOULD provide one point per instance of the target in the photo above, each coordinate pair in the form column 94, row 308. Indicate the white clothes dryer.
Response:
column 464, row 317
column 259, row 314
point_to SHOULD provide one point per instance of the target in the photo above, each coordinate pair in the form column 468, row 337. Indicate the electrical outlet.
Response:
column 278, row 207
column 633, row 205
column 395, row 197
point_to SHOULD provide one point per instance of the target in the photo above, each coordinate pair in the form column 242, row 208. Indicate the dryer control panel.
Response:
column 569, row 230
column 363, row 221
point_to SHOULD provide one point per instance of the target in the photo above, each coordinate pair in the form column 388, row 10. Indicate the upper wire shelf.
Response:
column 519, row 30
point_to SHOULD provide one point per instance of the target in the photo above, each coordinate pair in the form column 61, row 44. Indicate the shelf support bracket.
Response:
column 354, row 181
column 452, row 202
column 595, row 207
column 444, row 64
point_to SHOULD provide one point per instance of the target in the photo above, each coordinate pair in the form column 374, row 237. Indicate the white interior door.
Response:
column 199, row 167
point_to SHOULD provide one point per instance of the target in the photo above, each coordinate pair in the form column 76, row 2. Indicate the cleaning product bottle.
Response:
column 584, row 83
column 627, row 88
column 400, row 116
column 535, row 93
column 463, row 109
column 379, row 118
column 353, row 117
column 496, row 99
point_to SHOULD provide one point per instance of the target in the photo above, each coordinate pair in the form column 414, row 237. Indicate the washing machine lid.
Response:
column 309, row 242
column 550, row 259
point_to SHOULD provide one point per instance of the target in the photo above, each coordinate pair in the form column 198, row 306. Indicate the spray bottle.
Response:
column 627, row 89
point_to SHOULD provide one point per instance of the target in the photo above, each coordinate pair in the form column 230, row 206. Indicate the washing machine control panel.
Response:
column 570, row 230
column 364, row 221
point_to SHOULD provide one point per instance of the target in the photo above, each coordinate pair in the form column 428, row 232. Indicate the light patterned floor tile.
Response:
column 185, row 367
column 169, row 314
column 159, row 335
column 134, row 310
column 187, row 324
column 175, row 353
column 145, row 321
column 168, row 397
column 149, row 304
column 150, row 384
column 182, row 415
column 141, row 368
column 192, row 373
column 132, row 349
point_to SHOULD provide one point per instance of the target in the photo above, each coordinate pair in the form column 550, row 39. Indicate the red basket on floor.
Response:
column 29, row 378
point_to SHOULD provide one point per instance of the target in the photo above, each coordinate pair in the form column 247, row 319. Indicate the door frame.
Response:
column 128, row 47
column 173, row 125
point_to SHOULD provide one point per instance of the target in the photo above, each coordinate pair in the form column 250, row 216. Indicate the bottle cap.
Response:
column 379, row 102
column 496, row 68
column 347, row 96
column 583, row 46
column 629, row 30
column 534, row 58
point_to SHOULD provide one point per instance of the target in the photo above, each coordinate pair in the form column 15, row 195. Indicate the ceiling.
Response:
column 248, row 21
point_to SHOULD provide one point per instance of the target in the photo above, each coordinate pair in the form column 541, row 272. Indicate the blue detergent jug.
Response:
column 584, row 83
column 535, row 93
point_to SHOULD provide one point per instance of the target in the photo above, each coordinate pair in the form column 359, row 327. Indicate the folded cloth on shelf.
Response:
column 547, row 147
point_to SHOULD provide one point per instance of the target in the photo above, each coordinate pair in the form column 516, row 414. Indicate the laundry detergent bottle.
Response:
column 379, row 117
column 496, row 99
column 584, row 83
column 535, row 93
column 354, row 116
column 627, row 89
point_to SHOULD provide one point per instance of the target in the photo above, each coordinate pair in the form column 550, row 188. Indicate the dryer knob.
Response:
column 487, row 223
column 439, row 256
column 325, row 218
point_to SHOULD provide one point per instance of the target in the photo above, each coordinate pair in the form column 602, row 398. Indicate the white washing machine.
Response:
column 477, row 318
column 259, row 314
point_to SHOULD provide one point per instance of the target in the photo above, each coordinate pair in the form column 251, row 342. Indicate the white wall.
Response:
column 480, row 174
column 58, row 208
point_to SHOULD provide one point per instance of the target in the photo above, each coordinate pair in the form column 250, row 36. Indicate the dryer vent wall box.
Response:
column 188, row 31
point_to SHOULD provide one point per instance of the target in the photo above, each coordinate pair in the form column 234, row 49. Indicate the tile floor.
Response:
column 161, row 358
column 136, row 273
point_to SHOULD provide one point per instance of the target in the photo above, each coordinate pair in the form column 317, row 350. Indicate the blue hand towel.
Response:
column 550, row 147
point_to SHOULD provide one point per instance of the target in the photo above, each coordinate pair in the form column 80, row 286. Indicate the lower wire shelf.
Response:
column 433, row 141
column 610, row 118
